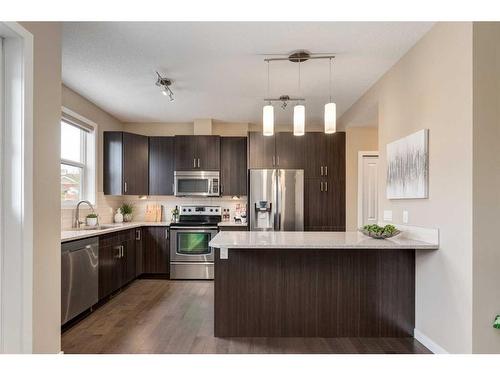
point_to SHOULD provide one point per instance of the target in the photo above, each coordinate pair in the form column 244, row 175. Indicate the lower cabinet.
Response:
column 155, row 250
column 117, row 261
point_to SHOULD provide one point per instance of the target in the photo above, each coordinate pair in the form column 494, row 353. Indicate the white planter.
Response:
column 127, row 217
column 91, row 221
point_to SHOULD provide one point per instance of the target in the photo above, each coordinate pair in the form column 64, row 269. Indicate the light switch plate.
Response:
column 223, row 253
column 387, row 215
column 405, row 217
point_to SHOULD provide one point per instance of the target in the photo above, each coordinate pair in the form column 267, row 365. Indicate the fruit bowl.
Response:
column 380, row 233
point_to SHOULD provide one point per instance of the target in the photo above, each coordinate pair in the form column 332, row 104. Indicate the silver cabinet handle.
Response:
column 137, row 234
column 125, row 186
column 274, row 161
column 198, row 162
column 278, row 161
column 119, row 251
column 326, row 185
column 326, row 170
column 321, row 185
column 322, row 170
column 194, row 162
column 166, row 233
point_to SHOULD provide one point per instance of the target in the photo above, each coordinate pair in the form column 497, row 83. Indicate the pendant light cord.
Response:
column 268, row 95
column 330, row 81
column 299, row 78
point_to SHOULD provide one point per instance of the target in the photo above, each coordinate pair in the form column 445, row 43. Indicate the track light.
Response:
column 164, row 84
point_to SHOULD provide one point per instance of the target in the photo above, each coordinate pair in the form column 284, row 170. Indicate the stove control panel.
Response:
column 200, row 210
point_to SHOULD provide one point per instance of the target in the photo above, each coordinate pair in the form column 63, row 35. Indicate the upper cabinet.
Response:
column 197, row 152
column 233, row 165
column 161, row 165
column 125, row 164
column 261, row 151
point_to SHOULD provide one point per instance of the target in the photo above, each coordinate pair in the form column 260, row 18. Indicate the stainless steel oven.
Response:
column 190, row 255
column 196, row 183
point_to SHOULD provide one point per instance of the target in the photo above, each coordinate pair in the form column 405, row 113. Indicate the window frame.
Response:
column 88, row 149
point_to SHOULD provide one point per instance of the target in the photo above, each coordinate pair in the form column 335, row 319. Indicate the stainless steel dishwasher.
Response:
column 79, row 276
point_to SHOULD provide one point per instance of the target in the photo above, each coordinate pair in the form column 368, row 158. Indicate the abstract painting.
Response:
column 408, row 167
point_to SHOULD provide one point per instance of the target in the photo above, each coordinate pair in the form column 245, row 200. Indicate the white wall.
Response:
column 46, row 186
column 431, row 87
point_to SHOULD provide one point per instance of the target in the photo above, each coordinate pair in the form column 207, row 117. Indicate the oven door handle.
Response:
column 191, row 229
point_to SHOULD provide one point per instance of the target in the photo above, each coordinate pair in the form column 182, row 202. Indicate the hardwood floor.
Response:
column 167, row 316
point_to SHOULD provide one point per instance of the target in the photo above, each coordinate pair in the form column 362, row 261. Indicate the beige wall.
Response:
column 486, row 187
column 46, row 196
column 357, row 139
column 431, row 87
column 104, row 121
column 171, row 129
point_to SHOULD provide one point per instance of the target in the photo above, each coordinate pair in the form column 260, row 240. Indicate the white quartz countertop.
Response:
column 313, row 240
column 232, row 224
column 77, row 234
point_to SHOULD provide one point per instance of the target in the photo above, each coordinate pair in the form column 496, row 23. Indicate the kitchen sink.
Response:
column 99, row 227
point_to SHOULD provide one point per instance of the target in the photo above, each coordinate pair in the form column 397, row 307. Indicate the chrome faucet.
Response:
column 78, row 222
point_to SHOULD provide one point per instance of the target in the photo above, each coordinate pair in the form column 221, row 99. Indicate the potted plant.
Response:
column 91, row 220
column 126, row 210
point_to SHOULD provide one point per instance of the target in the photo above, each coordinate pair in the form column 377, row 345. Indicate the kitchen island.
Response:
column 314, row 284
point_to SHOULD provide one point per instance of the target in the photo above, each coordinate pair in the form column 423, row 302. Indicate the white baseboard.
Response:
column 428, row 343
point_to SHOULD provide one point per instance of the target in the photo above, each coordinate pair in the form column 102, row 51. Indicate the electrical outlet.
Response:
column 387, row 215
column 224, row 254
column 405, row 217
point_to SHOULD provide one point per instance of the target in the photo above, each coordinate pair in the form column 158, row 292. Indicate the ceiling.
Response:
column 218, row 68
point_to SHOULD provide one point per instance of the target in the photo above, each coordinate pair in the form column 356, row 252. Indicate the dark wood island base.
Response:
column 315, row 293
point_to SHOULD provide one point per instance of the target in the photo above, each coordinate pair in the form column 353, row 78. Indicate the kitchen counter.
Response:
column 232, row 224
column 76, row 234
column 315, row 284
column 313, row 240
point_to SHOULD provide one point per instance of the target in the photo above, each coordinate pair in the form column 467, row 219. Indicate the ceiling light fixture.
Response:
column 164, row 84
column 268, row 113
column 330, row 109
column 299, row 116
column 299, row 110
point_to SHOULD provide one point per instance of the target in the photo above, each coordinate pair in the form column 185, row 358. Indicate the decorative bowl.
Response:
column 379, row 236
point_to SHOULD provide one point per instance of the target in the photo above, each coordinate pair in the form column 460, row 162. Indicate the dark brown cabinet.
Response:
column 125, row 164
column 161, row 165
column 233, row 165
column 117, row 258
column 197, row 152
column 261, row 151
column 290, row 151
column 155, row 250
column 324, row 184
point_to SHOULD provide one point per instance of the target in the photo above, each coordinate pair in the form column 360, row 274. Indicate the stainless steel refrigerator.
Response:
column 276, row 200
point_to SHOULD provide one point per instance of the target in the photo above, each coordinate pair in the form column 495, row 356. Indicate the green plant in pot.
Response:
column 126, row 210
column 91, row 220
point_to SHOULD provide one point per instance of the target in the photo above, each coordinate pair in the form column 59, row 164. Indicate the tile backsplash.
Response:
column 169, row 202
column 107, row 205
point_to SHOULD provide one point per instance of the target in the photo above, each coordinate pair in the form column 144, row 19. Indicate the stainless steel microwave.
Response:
column 197, row 183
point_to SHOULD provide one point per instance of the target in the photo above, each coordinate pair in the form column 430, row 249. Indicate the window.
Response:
column 77, row 162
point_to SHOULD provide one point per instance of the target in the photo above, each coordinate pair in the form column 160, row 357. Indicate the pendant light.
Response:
column 268, row 113
column 330, row 110
column 299, row 116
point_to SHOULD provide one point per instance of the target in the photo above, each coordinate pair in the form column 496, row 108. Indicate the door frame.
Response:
column 16, row 191
column 361, row 155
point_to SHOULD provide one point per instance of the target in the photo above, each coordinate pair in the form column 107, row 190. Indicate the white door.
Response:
column 369, row 189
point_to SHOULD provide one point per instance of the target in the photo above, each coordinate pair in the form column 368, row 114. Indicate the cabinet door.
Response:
column 333, row 208
column 113, row 163
column 110, row 275
column 335, row 161
column 135, row 164
column 313, row 204
column 234, row 166
column 315, row 155
column 161, row 165
column 290, row 151
column 155, row 248
column 261, row 151
column 207, row 152
column 185, row 153
column 128, row 257
column 138, row 252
